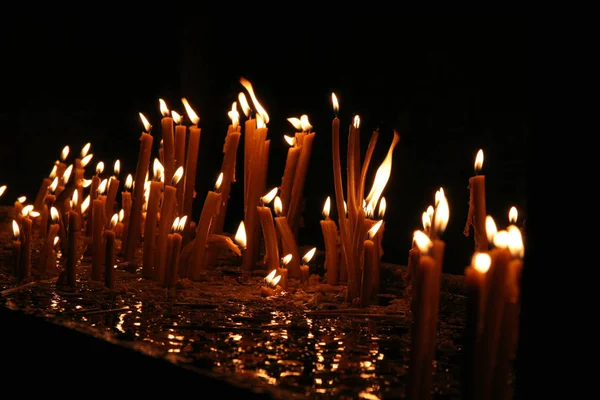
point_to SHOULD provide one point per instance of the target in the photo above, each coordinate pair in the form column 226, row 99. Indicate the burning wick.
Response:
column 304, row 268
column 271, row 281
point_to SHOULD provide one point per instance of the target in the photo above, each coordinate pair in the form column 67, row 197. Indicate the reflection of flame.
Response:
column 501, row 239
column 257, row 106
column 100, row 167
column 278, row 206
column 244, row 104
column 383, row 174
column 271, row 280
column 85, row 150
column 335, row 103
column 426, row 219
column 286, row 260
column 85, row 204
column 490, row 228
column 478, row 161
column 441, row 215
column 157, row 170
column 117, row 167
column 382, row 208
column 296, row 123
column 129, row 182
column 240, row 235
column 513, row 215
column 422, row 241
column 327, row 207
column 304, row 123
column 176, row 117
column 309, row 255
column 481, row 262
column 2, row 190
column 190, row 112
column 234, row 115
column 219, row 181
column 164, row 110
column 515, row 242
column 54, row 216
column 22, row 199
column 86, row 160
column 64, row 153
column 114, row 220
column 267, row 198
column 177, row 176
column 356, row 122
column 147, row 125
column 67, row 173
column 373, row 231
column 16, row 230
column 291, row 140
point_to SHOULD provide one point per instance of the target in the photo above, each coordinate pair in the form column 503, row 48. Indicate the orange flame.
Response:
column 383, row 174
column 309, row 255
column 16, row 230
column 422, row 241
column 86, row 183
column 327, row 207
column 85, row 204
column 373, row 231
column 271, row 280
column 335, row 103
column 26, row 210
column 102, row 186
column 67, row 173
column 481, row 262
column 441, row 215
column 490, row 228
column 177, row 176
column 158, row 170
column 117, row 167
column 501, row 239
column 22, row 199
column 54, row 216
column 177, row 118
column 278, row 206
column 240, row 235
column 147, row 125
column 356, row 122
column 219, row 181
column 244, row 104
column 164, row 110
column 121, row 215
column 182, row 222
column 267, row 198
column 75, row 198
column 100, row 167
column 2, row 190
column 515, row 242
column 114, row 220
column 257, row 106
column 382, row 208
column 85, row 150
column 129, row 182
column 64, row 153
column 478, row 161
column 426, row 220
column 291, row 140
column 234, row 115
column 286, row 260
column 296, row 123
column 86, row 160
column 513, row 215
column 304, row 123
column 53, row 171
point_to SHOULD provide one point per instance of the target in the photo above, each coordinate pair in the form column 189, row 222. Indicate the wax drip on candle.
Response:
column 240, row 236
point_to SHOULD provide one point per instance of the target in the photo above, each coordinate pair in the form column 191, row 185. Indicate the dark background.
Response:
column 449, row 81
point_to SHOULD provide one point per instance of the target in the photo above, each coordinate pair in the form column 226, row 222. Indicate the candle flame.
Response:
column 22, row 199
column 515, row 242
column 356, row 122
column 234, row 115
column 291, row 140
column 481, row 262
column 34, row 214
column 490, row 228
column 175, row 225
column 117, row 167
column 271, row 280
column 383, row 174
column 2, row 190
column 26, row 210
column 85, row 204
column 177, row 118
column 102, row 186
column 121, row 215
column 296, row 122
column 267, row 198
column 422, row 241
column 86, row 182
column 438, row 195
column 85, row 149
column 86, row 160
column 278, row 206
column 64, row 153
column 53, row 185
column 373, row 231
column 335, row 103
column 164, row 110
column 16, row 230
column 182, row 222
column 441, row 215
column 345, row 207
column 157, row 170
column 426, row 220
column 67, row 173
column 55, row 241
column 327, row 207
column 309, row 255
column 430, row 211
column 478, row 161
column 501, row 239
column 304, row 123
column 147, row 125
column 129, row 182
column 286, row 260
column 382, row 208
column 513, row 215
column 114, row 220
column 100, row 167
column 260, row 122
column 244, row 104
column 368, row 209
column 75, row 198
column 177, row 176
column 53, row 171
column 219, row 181
column 54, row 216
column 240, row 235
column 257, row 106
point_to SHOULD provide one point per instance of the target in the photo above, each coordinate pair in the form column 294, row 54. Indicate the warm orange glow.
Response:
column 100, row 167
column 345, row 207
column 513, row 215
column 327, row 207
column 373, row 231
column 114, row 220
column 334, row 102
column 190, row 111
column 102, row 186
column 481, row 262
column 257, row 106
column 129, row 182
column 147, row 125
column 278, row 206
column 234, row 115
column 54, row 216
column 296, row 123
column 177, row 176
column 240, row 235
column 422, row 241
column 22, row 199
column 501, row 239
column 219, row 181
column 426, row 220
column 267, row 198
column 34, row 214
column 164, row 110
column 157, row 170
column 67, row 173
column 55, row 242
column 356, row 122
column 271, row 280
column 86, row 160
column 53, row 172
column 64, row 153
column 2, row 190
column 75, row 198
column 182, row 222
column 382, row 208
column 175, row 225
column 515, row 242
column 85, row 150
column 383, row 174
column 430, row 211
column 291, row 140
column 309, row 255
column 86, row 182
column 85, row 204
column 122, row 215
column 244, row 104
column 286, row 260
column 438, row 195
column 26, row 210
column 16, row 230
column 304, row 123
column 441, row 215
column 177, row 118
column 53, row 185
column 478, row 161
column 368, row 209
column 490, row 228
column 260, row 122
column 117, row 167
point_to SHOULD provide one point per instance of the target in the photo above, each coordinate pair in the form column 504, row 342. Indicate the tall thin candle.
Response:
column 191, row 159
column 168, row 140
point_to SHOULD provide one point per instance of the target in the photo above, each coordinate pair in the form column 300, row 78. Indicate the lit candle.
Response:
column 16, row 249
column 2, row 190
column 414, row 254
column 126, row 205
column 330, row 233
column 49, row 242
column 61, row 166
column 371, row 265
column 120, row 226
column 240, row 236
column 191, row 159
column 209, row 211
column 39, row 199
column 44, row 222
column 109, row 253
column 174, row 241
column 180, row 141
column 18, row 208
column 268, row 229
column 428, row 278
column 167, row 215
column 283, row 270
column 271, row 282
column 288, row 173
column 168, row 140
column 134, row 232
column 156, row 187
column 477, row 212
column 113, row 189
column 249, row 128
column 26, row 239
column 72, row 249
column 305, row 268
column 98, row 248
column 288, row 241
